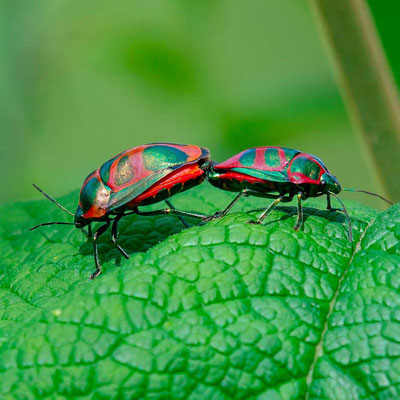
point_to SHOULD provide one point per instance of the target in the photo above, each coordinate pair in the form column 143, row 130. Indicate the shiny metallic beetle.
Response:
column 139, row 176
column 279, row 173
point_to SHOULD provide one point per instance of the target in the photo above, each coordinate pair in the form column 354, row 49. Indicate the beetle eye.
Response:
column 323, row 182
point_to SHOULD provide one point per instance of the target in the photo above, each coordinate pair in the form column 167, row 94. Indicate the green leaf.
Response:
column 225, row 310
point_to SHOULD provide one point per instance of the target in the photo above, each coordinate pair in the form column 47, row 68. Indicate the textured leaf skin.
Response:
column 225, row 310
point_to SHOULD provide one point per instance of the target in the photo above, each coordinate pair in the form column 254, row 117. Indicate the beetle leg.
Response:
column 328, row 202
column 299, row 221
column 220, row 214
column 96, row 235
column 267, row 211
column 329, row 206
column 166, row 211
column 114, row 235
column 169, row 204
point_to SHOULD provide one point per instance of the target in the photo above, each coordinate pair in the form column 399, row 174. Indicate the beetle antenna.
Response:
column 51, row 223
column 52, row 200
column 347, row 216
column 372, row 194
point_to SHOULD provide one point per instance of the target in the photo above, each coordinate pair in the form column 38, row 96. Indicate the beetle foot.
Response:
column 95, row 274
column 254, row 222
column 335, row 209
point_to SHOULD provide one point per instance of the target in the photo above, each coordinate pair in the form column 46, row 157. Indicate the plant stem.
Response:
column 366, row 83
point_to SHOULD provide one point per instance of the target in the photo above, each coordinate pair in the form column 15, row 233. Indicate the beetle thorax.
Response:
column 94, row 197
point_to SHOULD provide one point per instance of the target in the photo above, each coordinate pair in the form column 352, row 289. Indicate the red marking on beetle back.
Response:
column 181, row 175
column 259, row 161
column 232, row 162
column 135, row 156
column 282, row 157
column 136, row 161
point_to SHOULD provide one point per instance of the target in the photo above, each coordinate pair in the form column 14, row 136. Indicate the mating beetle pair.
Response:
column 154, row 172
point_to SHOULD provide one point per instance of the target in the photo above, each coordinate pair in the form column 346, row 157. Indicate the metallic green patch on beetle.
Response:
column 272, row 158
column 89, row 194
column 306, row 167
column 158, row 157
column 248, row 158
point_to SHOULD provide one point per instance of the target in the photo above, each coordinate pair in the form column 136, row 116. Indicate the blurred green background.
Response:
column 82, row 81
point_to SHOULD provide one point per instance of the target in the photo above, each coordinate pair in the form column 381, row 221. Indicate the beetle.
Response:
column 279, row 173
column 136, row 177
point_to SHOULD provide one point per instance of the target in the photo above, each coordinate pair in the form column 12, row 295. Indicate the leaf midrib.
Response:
column 319, row 351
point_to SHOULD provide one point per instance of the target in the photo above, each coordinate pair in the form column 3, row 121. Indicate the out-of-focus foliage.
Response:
column 81, row 81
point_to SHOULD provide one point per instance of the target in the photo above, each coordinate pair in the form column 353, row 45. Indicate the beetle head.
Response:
column 211, row 174
column 206, row 164
column 79, row 219
column 329, row 183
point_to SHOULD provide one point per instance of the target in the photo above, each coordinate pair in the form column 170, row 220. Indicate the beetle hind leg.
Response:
column 166, row 211
column 261, row 218
column 220, row 214
column 185, row 224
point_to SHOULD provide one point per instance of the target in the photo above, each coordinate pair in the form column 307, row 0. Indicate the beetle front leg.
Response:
column 299, row 221
column 267, row 211
column 96, row 235
column 114, row 235
column 329, row 205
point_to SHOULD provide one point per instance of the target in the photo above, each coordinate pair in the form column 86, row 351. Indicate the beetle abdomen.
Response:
column 260, row 158
column 177, row 181
column 236, row 181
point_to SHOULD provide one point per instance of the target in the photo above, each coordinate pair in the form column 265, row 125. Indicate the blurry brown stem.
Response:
column 366, row 82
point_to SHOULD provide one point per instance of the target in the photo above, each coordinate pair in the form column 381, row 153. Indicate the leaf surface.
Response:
column 225, row 310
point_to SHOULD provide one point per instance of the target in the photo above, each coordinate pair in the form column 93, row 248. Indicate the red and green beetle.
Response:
column 279, row 173
column 136, row 177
